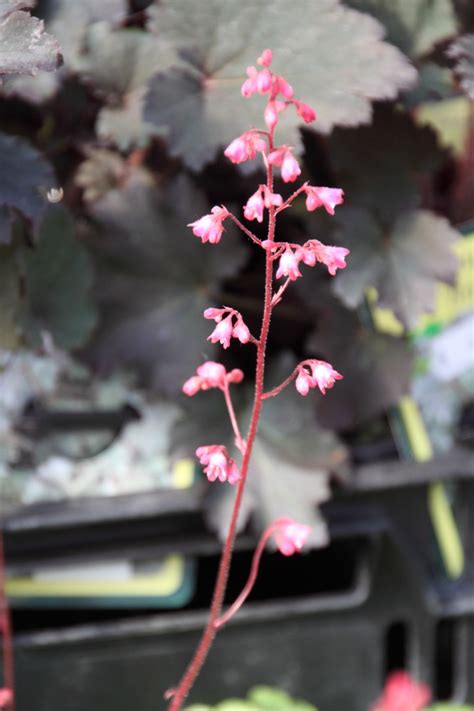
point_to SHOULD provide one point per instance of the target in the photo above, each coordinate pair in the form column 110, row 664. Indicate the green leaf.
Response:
column 154, row 278
column 412, row 25
column 403, row 263
column 219, row 38
column 118, row 63
column 376, row 172
column 290, row 465
column 58, row 279
column 9, row 299
column 376, row 368
column 463, row 50
column 25, row 177
column 268, row 698
column 24, row 46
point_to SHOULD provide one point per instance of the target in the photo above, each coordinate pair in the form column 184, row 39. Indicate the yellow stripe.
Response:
column 166, row 582
column 442, row 517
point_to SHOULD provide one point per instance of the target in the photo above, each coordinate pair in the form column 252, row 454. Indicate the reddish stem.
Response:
column 5, row 630
column 179, row 694
column 239, row 601
column 244, row 229
column 279, row 388
column 239, row 442
column 289, row 200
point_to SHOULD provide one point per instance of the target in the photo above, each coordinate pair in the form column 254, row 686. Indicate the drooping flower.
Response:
column 283, row 157
column 226, row 327
column 249, row 87
column 332, row 257
column 217, row 463
column 241, row 331
column 265, row 58
column 253, row 208
column 315, row 373
column 222, row 332
column 211, row 375
column 272, row 109
column 270, row 198
column 210, row 227
column 264, row 81
column 288, row 265
column 307, row 113
column 281, row 86
column 245, row 147
column 402, row 693
column 328, row 197
column 290, row 536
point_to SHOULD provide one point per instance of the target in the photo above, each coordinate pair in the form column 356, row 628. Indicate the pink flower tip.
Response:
column 290, row 536
column 402, row 693
column 6, row 697
column 211, row 375
column 265, row 58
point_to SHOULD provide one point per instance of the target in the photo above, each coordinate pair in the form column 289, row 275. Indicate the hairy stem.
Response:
column 179, row 694
column 246, row 590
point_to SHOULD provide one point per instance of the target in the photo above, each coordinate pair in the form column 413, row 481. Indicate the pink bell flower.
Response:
column 306, row 112
column 222, row 332
column 241, row 331
column 282, row 87
column 283, row 157
column 217, row 463
column 322, row 376
column 402, row 693
column 249, row 87
column 210, row 228
column 332, row 257
column 328, row 197
column 264, row 81
column 253, row 209
column 288, row 265
column 270, row 198
column 245, row 147
column 290, row 536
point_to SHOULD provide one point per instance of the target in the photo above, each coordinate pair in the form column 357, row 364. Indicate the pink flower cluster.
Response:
column 290, row 536
column 284, row 159
column 315, row 373
column 245, row 147
column 232, row 326
column 327, row 197
column 402, row 693
column 211, row 375
column 217, row 463
column 253, row 209
column 309, row 253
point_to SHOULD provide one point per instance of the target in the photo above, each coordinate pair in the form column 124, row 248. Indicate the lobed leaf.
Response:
column 216, row 39
column 25, row 48
column 154, row 277
column 58, row 280
column 412, row 25
column 403, row 263
column 25, row 177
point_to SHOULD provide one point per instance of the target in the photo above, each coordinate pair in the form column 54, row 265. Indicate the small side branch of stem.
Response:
column 279, row 388
column 244, row 229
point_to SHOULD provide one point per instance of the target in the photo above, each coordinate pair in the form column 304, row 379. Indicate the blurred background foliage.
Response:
column 102, row 295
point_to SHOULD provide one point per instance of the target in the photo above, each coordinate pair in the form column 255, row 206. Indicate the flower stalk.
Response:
column 290, row 536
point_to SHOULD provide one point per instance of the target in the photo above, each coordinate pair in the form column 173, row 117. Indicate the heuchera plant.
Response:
column 289, row 535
